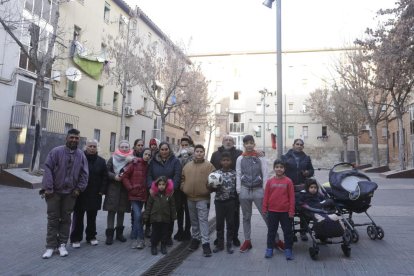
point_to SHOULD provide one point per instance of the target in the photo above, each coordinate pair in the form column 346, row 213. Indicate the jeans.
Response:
column 137, row 228
column 59, row 209
column 225, row 215
column 273, row 223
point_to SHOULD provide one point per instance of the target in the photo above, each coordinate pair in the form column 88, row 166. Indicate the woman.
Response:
column 298, row 168
column 90, row 200
column 116, row 199
column 164, row 163
column 138, row 147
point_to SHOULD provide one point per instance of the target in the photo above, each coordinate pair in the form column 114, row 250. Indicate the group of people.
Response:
column 160, row 187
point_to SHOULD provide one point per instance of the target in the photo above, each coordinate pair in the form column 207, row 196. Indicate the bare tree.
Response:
column 391, row 45
column 357, row 75
column 40, row 58
column 161, row 71
column 332, row 108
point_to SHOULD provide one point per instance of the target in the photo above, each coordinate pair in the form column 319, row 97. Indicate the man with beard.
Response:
column 228, row 146
column 65, row 176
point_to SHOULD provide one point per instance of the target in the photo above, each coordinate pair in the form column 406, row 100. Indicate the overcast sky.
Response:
column 206, row 26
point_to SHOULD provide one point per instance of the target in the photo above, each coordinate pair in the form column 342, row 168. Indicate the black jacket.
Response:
column 91, row 198
column 294, row 170
column 216, row 156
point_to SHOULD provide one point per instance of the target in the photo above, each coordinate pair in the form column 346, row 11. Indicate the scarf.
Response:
column 119, row 160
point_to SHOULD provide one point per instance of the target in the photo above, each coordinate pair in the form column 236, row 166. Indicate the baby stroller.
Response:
column 323, row 226
column 352, row 191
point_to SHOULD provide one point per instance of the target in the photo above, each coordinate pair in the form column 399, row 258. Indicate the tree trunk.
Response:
column 356, row 150
column 209, row 140
column 345, row 148
column 37, row 145
column 401, row 146
column 122, row 130
column 163, row 127
column 374, row 142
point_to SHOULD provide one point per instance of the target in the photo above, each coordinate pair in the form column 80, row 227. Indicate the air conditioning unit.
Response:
column 129, row 111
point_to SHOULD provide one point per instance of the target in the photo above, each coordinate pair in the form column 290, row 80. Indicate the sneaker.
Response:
column 236, row 242
column 76, row 244
column 194, row 245
column 269, row 253
column 304, row 237
column 140, row 244
column 247, row 245
column 62, row 250
column 289, row 254
column 206, row 250
column 47, row 254
column 280, row 245
column 94, row 242
column 134, row 244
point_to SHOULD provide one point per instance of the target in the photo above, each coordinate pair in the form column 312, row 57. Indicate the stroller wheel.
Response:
column 372, row 232
column 355, row 236
column 346, row 249
column 313, row 252
column 347, row 237
column 380, row 233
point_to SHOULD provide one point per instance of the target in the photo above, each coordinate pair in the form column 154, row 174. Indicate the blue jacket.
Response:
column 171, row 168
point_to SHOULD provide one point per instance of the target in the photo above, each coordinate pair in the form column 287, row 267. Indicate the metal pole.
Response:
column 264, row 122
column 279, row 78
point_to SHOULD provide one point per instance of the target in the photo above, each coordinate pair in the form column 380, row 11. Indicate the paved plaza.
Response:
column 22, row 240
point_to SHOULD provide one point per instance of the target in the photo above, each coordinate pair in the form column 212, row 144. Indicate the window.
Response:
column 305, row 132
column 126, row 133
column 172, row 141
column 276, row 107
column 28, row 5
column 143, row 135
column 197, row 130
column 412, row 119
column 218, row 132
column 97, row 134
column 107, row 11
column 236, row 95
column 236, row 117
column 275, row 130
column 122, row 25
column 145, row 107
column 168, row 139
column 71, row 89
column 28, row 40
column 112, row 142
column 291, row 132
column 128, row 97
column 99, row 93
column 324, row 131
column 68, row 127
column 115, row 102
column 104, row 49
column 304, row 108
column 290, row 106
column 258, row 131
column 24, row 92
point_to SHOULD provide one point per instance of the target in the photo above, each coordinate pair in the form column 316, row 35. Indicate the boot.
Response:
column 229, row 248
column 109, row 236
column 119, row 234
column 179, row 235
column 163, row 249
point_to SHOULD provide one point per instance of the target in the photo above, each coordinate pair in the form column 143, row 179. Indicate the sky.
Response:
column 214, row 26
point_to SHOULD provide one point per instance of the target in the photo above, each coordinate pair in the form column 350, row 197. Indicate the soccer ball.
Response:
column 214, row 180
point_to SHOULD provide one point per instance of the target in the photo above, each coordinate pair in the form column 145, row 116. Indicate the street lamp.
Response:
column 264, row 93
column 269, row 3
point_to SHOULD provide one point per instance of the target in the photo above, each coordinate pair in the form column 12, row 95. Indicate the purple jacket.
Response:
column 65, row 170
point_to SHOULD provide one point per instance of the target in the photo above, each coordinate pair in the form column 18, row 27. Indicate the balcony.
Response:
column 237, row 127
column 23, row 116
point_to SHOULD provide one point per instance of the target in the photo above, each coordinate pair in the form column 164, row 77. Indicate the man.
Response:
column 228, row 146
column 66, row 175
column 185, row 155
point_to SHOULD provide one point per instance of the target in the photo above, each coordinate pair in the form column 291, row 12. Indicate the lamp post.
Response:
column 264, row 93
column 269, row 3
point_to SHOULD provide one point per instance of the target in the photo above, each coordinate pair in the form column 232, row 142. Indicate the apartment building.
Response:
column 241, row 109
column 91, row 103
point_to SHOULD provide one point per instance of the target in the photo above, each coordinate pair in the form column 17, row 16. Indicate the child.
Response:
column 160, row 211
column 279, row 205
column 311, row 196
column 251, row 174
column 134, row 180
column 194, row 184
column 225, row 203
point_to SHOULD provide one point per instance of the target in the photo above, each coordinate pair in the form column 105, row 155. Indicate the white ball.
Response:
column 214, row 180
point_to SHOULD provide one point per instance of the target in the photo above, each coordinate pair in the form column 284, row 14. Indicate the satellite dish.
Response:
column 73, row 74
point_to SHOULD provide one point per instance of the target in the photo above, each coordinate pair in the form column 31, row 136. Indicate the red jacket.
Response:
column 279, row 196
column 135, row 178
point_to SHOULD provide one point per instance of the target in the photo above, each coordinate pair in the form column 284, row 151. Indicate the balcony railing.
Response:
column 237, row 127
column 23, row 116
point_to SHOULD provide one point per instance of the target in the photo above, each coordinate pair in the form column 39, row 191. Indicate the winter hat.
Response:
column 153, row 141
column 309, row 182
